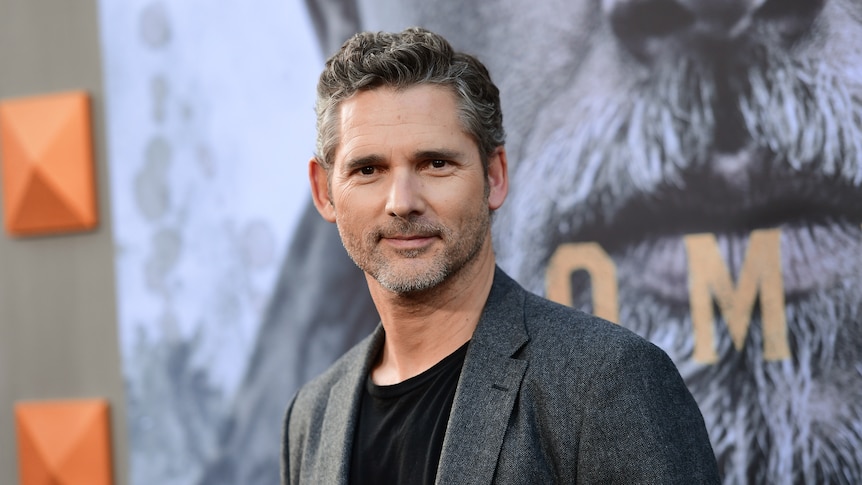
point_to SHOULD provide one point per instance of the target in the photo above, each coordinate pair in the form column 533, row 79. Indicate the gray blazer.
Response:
column 547, row 394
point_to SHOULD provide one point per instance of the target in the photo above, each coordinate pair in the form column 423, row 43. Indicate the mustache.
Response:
column 801, row 114
column 409, row 227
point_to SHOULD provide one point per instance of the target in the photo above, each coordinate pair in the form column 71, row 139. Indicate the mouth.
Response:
column 818, row 218
column 408, row 241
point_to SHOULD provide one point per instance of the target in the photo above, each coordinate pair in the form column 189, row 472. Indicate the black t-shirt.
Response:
column 400, row 432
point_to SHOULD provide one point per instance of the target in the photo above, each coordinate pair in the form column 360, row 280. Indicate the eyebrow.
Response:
column 441, row 154
column 435, row 154
column 356, row 163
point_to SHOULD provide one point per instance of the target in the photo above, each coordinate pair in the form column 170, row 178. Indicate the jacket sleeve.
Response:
column 644, row 426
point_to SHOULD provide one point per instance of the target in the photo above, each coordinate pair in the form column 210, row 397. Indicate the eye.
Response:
column 438, row 163
column 367, row 170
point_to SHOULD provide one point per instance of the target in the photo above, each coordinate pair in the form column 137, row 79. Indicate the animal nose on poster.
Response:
column 653, row 28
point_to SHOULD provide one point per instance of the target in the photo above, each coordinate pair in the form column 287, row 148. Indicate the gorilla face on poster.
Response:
column 691, row 169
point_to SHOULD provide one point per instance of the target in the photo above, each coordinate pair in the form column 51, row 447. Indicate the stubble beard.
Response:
column 414, row 271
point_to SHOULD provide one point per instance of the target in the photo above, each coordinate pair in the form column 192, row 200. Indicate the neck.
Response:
column 422, row 329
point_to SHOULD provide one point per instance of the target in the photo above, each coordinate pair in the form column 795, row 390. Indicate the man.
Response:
column 468, row 378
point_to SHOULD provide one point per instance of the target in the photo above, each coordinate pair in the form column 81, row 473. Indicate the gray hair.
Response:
column 412, row 57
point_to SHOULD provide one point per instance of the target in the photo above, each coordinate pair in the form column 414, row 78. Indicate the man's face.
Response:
column 407, row 188
column 668, row 132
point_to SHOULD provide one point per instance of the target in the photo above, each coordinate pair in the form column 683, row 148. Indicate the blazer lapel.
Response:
column 339, row 420
column 487, row 389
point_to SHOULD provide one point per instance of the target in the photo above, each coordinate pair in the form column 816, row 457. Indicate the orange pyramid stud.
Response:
column 46, row 150
column 63, row 442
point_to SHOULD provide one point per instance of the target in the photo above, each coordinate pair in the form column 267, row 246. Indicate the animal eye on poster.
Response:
column 690, row 170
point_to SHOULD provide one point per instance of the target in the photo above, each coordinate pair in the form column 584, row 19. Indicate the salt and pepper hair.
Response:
column 415, row 56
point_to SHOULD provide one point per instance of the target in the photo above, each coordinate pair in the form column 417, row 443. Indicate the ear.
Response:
column 498, row 178
column 320, row 194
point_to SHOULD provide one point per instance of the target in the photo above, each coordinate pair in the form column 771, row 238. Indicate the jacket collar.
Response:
column 339, row 421
column 487, row 389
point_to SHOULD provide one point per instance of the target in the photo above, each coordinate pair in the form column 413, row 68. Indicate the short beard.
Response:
column 401, row 284
column 459, row 252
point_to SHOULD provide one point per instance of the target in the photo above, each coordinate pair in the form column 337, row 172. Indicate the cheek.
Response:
column 344, row 198
column 455, row 193
column 352, row 211
column 463, row 211
column 344, row 215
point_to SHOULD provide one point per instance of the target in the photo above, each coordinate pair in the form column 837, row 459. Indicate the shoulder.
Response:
column 590, row 360
column 311, row 400
column 559, row 328
column 605, row 390
column 554, row 331
column 587, row 359
column 333, row 390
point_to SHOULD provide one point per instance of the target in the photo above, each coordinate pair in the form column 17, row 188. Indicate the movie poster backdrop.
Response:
column 688, row 169
column 210, row 122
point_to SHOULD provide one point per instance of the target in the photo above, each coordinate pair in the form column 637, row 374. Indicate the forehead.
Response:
column 385, row 119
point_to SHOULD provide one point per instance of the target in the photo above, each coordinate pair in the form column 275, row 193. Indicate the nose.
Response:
column 405, row 196
column 652, row 28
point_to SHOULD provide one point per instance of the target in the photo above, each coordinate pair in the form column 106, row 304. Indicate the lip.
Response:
column 819, row 219
column 408, row 242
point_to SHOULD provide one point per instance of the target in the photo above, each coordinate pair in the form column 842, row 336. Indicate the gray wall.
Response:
column 58, row 334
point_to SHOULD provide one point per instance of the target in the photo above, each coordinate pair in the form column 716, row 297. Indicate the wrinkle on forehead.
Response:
column 396, row 115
